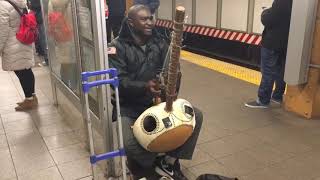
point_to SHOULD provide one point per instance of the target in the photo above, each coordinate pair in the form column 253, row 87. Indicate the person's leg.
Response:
column 43, row 43
column 169, row 165
column 72, row 72
column 269, row 63
column 140, row 161
column 37, row 46
column 27, row 81
column 280, row 84
column 133, row 148
column 38, row 15
column 63, row 73
column 68, row 74
column 269, row 59
column 186, row 150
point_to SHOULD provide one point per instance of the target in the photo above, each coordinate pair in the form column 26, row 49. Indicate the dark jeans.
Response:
column 144, row 158
column 272, row 69
column 27, row 81
column 41, row 43
column 114, row 26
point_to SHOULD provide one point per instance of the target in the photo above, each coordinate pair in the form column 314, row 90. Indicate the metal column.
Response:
column 100, row 39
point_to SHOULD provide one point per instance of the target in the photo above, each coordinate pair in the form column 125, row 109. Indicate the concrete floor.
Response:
column 268, row 144
column 38, row 144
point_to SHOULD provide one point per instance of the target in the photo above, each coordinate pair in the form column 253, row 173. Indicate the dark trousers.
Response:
column 27, row 81
column 144, row 158
column 114, row 26
column 41, row 43
column 272, row 69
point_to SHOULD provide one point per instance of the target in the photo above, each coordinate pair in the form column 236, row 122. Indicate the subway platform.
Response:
column 235, row 141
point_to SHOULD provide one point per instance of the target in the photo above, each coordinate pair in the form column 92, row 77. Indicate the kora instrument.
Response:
column 168, row 125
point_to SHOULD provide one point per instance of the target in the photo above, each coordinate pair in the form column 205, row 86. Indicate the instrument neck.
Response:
column 176, row 44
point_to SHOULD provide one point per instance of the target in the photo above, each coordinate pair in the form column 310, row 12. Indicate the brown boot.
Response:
column 27, row 104
column 34, row 97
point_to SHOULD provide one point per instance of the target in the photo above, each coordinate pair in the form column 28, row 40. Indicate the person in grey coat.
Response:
column 16, row 56
column 153, row 5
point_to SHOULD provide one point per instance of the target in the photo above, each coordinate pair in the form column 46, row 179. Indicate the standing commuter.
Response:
column 41, row 43
column 16, row 56
column 117, row 9
column 276, row 21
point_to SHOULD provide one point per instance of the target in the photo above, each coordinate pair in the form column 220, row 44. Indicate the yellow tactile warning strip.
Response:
column 232, row 70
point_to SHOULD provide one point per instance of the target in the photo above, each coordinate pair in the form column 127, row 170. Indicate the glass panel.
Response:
column 237, row 20
column 84, row 18
column 61, row 42
column 165, row 10
column 87, row 54
column 206, row 12
column 87, row 48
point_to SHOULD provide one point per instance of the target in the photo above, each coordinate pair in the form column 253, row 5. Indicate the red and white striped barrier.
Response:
column 216, row 33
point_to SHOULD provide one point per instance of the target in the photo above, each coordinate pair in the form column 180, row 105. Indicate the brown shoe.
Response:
column 34, row 98
column 27, row 104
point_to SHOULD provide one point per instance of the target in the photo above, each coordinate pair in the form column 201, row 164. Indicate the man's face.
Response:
column 143, row 22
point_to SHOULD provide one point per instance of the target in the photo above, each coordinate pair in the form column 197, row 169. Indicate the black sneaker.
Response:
column 171, row 171
column 256, row 104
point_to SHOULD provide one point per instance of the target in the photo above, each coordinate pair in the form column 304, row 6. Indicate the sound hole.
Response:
column 188, row 110
column 150, row 124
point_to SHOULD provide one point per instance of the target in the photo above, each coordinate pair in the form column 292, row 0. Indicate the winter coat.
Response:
column 136, row 66
column 15, row 55
column 152, row 4
column 276, row 21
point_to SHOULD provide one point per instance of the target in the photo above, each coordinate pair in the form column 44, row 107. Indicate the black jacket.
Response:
column 276, row 21
column 116, row 7
column 136, row 66
column 152, row 4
